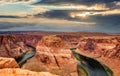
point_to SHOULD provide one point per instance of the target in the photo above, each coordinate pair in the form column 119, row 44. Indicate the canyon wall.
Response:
column 53, row 54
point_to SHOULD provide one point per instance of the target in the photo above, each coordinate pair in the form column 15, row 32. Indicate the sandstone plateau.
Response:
column 53, row 54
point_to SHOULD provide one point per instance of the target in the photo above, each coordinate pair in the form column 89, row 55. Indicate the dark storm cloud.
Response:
column 111, row 4
column 8, row 25
column 59, row 14
column 75, row 1
column 1, row 16
column 105, row 22
column 63, row 14
column 12, row 25
column 107, row 19
column 108, row 22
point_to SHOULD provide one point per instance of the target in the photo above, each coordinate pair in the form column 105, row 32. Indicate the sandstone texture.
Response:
column 11, row 46
column 8, row 63
column 22, row 72
column 53, row 55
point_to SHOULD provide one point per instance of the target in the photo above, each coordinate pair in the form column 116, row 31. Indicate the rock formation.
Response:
column 54, row 56
column 104, row 49
column 12, row 46
column 8, row 63
column 22, row 72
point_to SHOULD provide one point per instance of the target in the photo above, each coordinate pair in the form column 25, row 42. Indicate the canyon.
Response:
column 49, row 54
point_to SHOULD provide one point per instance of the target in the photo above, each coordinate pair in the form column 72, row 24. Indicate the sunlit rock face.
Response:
column 104, row 49
column 29, row 39
column 16, row 45
column 70, row 40
column 12, row 46
column 8, row 63
column 22, row 72
column 53, row 55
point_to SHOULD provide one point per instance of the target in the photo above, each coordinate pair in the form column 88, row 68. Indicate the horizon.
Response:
column 54, row 32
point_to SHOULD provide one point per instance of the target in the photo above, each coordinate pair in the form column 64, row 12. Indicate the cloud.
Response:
column 8, row 25
column 80, row 4
column 44, row 20
column 77, row 10
column 82, row 14
column 102, row 19
column 39, row 10
column 107, row 20
column 76, row 14
column 75, row 7
column 61, row 26
column 1, row 16
column 19, row 1
column 60, row 15
column 21, row 10
column 40, row 24
column 117, row 3
column 88, row 2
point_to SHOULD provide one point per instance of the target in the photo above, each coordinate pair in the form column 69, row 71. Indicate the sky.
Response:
column 60, row 15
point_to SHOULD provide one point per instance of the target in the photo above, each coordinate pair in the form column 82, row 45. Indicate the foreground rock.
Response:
column 8, row 63
column 53, row 55
column 104, row 49
column 22, row 72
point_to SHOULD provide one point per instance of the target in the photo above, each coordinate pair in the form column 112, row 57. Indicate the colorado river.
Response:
column 86, row 66
column 91, row 67
column 23, row 58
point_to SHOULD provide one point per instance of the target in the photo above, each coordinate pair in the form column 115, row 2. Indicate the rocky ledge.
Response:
column 22, row 72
